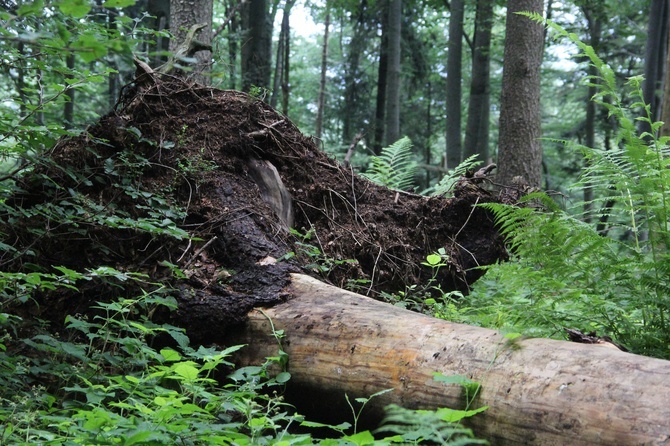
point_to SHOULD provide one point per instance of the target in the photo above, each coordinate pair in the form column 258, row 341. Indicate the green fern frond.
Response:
column 447, row 183
column 426, row 426
column 395, row 166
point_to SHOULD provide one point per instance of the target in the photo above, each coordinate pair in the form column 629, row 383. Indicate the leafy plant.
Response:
column 608, row 276
column 395, row 166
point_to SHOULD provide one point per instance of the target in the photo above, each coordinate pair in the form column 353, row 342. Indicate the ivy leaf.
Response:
column 75, row 8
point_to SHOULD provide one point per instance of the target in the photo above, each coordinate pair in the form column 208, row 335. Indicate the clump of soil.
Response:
column 181, row 152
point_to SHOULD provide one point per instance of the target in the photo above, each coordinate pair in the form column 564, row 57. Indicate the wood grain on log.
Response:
column 539, row 391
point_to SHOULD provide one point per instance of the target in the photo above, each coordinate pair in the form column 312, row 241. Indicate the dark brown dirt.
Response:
column 171, row 145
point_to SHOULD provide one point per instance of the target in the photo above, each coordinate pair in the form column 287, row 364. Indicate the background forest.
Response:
column 589, row 250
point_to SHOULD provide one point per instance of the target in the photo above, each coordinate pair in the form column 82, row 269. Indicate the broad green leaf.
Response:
column 170, row 355
column 186, row 370
column 361, row 438
column 75, row 8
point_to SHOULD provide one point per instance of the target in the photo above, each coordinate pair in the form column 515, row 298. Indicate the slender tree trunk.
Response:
column 382, row 81
column 159, row 20
column 324, row 69
column 594, row 19
column 351, row 114
column 654, row 62
column 429, row 133
column 392, row 130
column 113, row 80
column 183, row 15
column 233, row 43
column 477, row 127
column 68, row 112
column 665, row 108
column 520, row 151
column 454, row 80
column 256, row 51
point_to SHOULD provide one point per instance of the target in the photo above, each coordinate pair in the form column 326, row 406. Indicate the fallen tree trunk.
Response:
column 539, row 391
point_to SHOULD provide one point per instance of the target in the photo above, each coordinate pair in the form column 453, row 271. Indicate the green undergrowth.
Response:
column 118, row 377
column 605, row 272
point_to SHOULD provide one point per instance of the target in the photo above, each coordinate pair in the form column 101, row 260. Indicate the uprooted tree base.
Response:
column 181, row 153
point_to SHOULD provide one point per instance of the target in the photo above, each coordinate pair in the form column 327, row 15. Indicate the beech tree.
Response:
column 519, row 148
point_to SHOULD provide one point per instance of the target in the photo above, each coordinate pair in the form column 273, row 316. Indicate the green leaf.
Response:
column 454, row 416
column 137, row 438
column 361, row 438
column 90, row 47
column 186, row 370
column 433, row 259
column 75, row 8
column 170, row 355
column 118, row 3
column 283, row 377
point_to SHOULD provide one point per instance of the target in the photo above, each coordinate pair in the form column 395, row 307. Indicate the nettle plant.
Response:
column 609, row 276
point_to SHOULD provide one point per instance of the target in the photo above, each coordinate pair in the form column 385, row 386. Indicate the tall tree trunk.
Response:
column 351, row 114
column 382, row 81
column 68, row 112
column 454, row 79
column 113, row 79
column 665, row 108
column 324, row 70
column 159, row 20
column 233, row 42
column 594, row 19
column 286, row 68
column 392, row 119
column 183, row 15
column 519, row 150
column 477, row 127
column 654, row 62
column 256, row 52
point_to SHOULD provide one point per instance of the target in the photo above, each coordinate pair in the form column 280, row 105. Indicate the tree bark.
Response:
column 454, row 75
column 654, row 62
column 519, row 148
column 256, row 51
column 392, row 118
column 183, row 15
column 594, row 18
column 324, row 70
column 539, row 391
column 382, row 80
column 477, row 127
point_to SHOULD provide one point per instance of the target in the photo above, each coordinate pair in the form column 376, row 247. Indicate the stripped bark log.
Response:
column 539, row 391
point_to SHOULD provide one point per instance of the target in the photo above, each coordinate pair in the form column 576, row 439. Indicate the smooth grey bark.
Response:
column 256, row 50
column 519, row 147
column 477, row 127
column 324, row 69
column 392, row 118
column 183, row 15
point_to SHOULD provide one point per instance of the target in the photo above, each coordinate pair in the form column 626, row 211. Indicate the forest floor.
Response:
column 176, row 156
